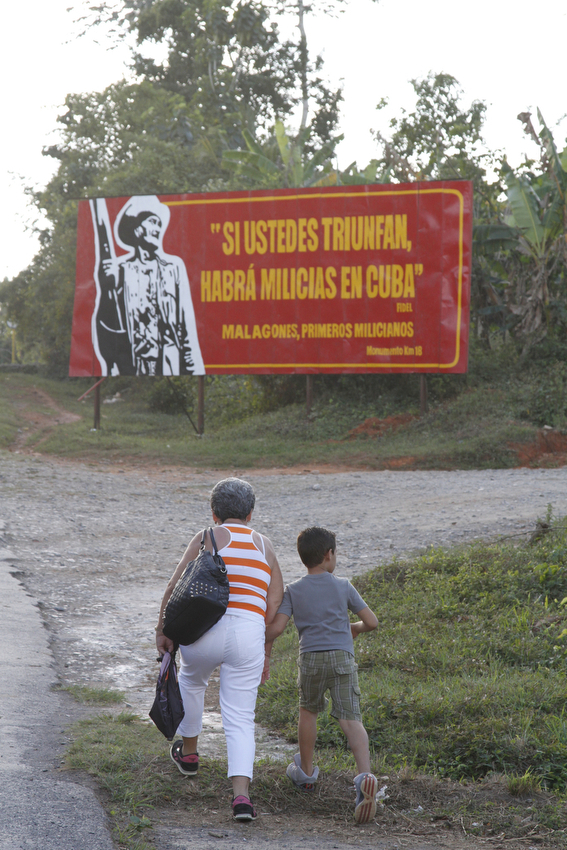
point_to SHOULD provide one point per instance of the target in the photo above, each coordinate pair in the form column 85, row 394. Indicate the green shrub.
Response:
column 546, row 402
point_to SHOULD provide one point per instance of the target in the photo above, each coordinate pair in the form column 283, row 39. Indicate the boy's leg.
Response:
column 358, row 741
column 307, row 735
column 365, row 783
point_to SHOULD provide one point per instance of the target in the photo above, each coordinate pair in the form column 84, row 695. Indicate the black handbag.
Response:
column 167, row 711
column 199, row 598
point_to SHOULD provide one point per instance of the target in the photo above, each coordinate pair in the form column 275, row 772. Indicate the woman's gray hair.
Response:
column 232, row 498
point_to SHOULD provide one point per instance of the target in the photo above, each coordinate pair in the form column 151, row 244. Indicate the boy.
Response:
column 319, row 603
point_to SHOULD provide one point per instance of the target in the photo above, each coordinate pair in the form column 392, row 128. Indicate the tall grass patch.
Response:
column 465, row 675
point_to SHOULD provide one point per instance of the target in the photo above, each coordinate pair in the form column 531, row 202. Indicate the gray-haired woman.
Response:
column 236, row 642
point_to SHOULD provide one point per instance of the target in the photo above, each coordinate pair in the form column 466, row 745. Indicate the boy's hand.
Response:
column 367, row 622
column 266, row 670
column 356, row 629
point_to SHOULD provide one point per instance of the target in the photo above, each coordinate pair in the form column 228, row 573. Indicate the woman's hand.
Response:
column 164, row 644
column 266, row 670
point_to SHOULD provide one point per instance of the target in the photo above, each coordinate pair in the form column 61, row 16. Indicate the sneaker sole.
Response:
column 244, row 817
column 366, row 809
column 306, row 788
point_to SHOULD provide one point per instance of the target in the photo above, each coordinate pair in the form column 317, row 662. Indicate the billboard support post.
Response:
column 96, row 424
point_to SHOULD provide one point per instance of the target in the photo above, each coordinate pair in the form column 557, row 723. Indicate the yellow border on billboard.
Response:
column 301, row 196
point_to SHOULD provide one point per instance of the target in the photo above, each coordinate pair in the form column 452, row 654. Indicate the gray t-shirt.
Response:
column 319, row 604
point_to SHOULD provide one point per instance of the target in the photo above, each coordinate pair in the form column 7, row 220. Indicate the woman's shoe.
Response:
column 242, row 809
column 188, row 765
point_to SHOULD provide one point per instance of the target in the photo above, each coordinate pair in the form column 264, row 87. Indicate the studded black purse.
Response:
column 199, row 598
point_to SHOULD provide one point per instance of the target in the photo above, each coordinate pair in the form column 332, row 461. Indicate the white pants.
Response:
column 237, row 645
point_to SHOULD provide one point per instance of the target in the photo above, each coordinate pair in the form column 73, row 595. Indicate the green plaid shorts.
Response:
column 334, row 671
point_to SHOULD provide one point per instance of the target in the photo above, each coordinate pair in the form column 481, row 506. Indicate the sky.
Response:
column 508, row 54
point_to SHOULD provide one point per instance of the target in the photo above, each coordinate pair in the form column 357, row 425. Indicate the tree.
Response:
column 228, row 61
column 438, row 140
column 303, row 157
column 40, row 299
column 523, row 250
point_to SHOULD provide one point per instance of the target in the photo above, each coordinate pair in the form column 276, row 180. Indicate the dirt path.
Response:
column 95, row 546
column 42, row 415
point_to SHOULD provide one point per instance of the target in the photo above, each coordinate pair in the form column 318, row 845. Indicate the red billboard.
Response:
column 338, row 279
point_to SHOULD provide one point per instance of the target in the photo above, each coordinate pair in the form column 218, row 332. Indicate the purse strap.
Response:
column 215, row 548
column 213, row 541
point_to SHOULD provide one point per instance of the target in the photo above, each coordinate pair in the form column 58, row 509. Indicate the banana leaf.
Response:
column 524, row 207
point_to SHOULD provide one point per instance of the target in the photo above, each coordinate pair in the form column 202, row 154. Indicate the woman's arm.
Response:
column 273, row 601
column 276, row 587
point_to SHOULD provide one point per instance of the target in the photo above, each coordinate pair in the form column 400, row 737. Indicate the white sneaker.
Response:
column 299, row 778
column 366, row 786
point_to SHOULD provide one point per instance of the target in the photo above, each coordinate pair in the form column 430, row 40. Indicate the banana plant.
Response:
column 282, row 161
column 532, row 239
column 537, row 211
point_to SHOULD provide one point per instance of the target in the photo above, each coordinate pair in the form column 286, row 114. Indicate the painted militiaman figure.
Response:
column 144, row 322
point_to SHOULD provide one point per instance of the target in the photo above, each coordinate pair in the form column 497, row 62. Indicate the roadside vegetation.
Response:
column 508, row 411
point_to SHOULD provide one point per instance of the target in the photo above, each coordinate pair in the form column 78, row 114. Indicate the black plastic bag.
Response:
column 167, row 711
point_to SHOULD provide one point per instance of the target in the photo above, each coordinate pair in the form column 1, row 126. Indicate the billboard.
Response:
column 344, row 279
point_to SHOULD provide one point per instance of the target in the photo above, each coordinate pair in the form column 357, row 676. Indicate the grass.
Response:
column 95, row 696
column 472, row 428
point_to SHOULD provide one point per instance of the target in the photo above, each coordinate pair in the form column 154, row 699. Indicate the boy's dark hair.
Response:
column 314, row 543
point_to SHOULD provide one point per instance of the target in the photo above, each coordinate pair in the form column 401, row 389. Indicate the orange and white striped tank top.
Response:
column 249, row 573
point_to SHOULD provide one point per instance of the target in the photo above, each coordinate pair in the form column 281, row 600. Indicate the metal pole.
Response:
column 89, row 391
column 423, row 394
column 201, row 405
column 308, row 393
column 97, row 407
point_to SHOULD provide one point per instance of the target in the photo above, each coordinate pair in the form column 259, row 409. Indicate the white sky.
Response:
column 508, row 53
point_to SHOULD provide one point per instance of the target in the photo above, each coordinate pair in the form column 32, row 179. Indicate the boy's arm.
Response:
column 367, row 623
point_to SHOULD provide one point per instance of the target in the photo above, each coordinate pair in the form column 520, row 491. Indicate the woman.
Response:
column 236, row 642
